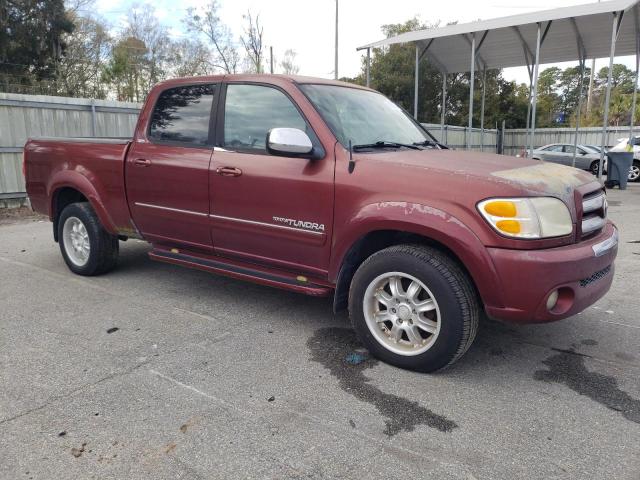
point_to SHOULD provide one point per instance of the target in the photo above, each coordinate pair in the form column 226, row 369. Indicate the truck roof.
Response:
column 262, row 78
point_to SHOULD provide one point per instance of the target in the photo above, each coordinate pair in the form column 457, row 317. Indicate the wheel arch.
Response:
column 72, row 189
column 430, row 227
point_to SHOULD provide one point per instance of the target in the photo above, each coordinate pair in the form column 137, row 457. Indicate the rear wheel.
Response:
column 595, row 167
column 413, row 307
column 634, row 173
column 87, row 248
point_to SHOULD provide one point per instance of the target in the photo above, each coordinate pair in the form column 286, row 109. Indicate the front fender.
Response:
column 425, row 221
column 77, row 181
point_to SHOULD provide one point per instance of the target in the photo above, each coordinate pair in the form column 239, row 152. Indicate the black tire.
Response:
column 451, row 287
column 104, row 248
column 636, row 165
column 595, row 167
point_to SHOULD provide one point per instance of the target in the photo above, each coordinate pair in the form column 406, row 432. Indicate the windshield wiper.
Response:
column 428, row 143
column 385, row 144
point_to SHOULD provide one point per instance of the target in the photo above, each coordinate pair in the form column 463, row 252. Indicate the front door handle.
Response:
column 142, row 162
column 229, row 171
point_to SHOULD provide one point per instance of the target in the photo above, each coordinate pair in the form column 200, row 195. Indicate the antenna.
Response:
column 352, row 164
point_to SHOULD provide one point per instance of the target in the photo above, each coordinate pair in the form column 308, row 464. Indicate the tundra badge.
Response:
column 318, row 227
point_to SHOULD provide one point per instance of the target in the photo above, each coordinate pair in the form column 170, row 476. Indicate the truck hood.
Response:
column 515, row 175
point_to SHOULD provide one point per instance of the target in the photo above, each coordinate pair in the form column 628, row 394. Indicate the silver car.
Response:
column 586, row 157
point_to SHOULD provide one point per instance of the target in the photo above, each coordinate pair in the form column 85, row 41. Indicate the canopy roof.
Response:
column 581, row 27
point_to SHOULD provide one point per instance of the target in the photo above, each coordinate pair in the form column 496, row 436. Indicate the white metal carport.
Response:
column 595, row 30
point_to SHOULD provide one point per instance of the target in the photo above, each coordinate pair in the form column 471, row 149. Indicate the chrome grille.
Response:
column 594, row 213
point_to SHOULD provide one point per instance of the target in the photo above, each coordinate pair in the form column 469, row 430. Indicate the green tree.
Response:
column 152, row 52
column 548, row 98
column 31, row 39
column 124, row 70
column 621, row 78
column 188, row 58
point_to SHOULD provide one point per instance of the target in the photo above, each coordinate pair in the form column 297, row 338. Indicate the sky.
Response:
column 308, row 26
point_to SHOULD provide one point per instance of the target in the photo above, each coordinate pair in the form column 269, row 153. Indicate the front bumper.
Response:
column 582, row 273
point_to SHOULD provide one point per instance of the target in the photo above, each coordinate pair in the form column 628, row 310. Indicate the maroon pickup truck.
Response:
column 327, row 188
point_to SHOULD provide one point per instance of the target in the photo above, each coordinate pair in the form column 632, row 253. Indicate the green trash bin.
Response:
column 618, row 167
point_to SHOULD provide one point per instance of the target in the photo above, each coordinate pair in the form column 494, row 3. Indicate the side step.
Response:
column 243, row 271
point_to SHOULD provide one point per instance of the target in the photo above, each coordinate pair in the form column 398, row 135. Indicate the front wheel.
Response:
column 413, row 307
column 87, row 248
column 634, row 172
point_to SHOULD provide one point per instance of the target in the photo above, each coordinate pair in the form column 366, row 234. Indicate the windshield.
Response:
column 363, row 116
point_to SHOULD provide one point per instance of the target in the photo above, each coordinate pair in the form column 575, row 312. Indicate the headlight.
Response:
column 536, row 217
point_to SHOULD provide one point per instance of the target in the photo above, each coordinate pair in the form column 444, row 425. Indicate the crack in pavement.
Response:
column 56, row 398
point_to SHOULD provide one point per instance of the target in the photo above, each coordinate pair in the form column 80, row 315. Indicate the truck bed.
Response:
column 94, row 164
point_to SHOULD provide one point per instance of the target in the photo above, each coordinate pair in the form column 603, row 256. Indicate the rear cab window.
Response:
column 182, row 116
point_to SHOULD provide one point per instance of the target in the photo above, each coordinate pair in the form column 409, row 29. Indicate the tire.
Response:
column 595, row 167
column 634, row 173
column 89, row 249
column 452, row 318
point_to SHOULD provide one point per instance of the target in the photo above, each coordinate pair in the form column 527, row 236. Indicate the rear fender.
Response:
column 77, row 181
column 430, row 223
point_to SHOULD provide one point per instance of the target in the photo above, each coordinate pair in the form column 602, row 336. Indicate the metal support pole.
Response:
column 471, row 81
column 590, row 92
column 582, row 56
column 335, row 69
column 575, row 136
column 534, row 98
column 271, row 60
column 368, row 67
column 635, row 85
column 484, row 81
column 93, row 118
column 617, row 18
column 526, row 141
column 415, row 83
column 443, row 110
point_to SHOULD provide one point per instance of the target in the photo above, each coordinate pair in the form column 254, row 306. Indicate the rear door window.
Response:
column 182, row 115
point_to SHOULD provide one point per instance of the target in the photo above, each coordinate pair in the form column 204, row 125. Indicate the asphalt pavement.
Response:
column 160, row 372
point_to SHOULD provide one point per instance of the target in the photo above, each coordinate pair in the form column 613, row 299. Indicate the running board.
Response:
column 243, row 271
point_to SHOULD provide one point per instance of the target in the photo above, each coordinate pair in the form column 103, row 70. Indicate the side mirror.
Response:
column 288, row 141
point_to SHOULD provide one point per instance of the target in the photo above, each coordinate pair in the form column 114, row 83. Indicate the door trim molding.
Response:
column 264, row 224
column 178, row 210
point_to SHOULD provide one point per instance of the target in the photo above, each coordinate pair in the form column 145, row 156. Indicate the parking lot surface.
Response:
column 155, row 371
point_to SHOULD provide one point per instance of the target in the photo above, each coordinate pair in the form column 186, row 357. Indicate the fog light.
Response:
column 552, row 300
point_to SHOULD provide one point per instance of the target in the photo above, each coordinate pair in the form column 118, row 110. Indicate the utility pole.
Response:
column 271, row 59
column 335, row 69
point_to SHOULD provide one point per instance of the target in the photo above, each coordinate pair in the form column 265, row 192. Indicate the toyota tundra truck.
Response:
column 329, row 189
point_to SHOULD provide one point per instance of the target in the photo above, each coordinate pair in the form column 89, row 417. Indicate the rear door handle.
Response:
column 142, row 162
column 229, row 171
